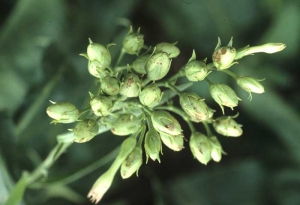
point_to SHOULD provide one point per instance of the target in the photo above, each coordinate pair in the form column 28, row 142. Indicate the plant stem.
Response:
column 232, row 74
column 207, row 129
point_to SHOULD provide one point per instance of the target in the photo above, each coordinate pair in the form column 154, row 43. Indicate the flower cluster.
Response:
column 132, row 101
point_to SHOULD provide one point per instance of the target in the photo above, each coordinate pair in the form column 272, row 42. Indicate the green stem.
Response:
column 181, row 113
column 232, row 74
column 207, row 129
column 42, row 170
column 209, row 82
column 85, row 171
column 119, row 58
column 172, row 87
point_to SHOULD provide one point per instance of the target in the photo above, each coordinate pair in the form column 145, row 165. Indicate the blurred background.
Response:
column 40, row 42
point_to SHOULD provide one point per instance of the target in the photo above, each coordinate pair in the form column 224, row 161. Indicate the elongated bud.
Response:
column 133, row 42
column 227, row 126
column 131, row 85
column 223, row 95
column 152, row 145
column 216, row 149
column 139, row 65
column 158, row 66
column 110, row 86
column 251, row 85
column 195, row 107
column 174, row 142
column 150, row 95
column 101, row 105
column 125, row 124
column 132, row 163
column 98, row 52
column 62, row 112
column 169, row 48
column 104, row 182
column 265, row 48
column 200, row 147
column 85, row 130
column 164, row 122
column 223, row 57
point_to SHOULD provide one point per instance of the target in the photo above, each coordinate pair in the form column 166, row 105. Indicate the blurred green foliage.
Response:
column 39, row 46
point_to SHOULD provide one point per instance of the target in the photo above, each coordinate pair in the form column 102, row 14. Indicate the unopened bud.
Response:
column 85, row 130
column 223, row 57
column 164, row 122
column 101, row 105
column 133, row 42
column 196, row 71
column 132, row 163
column 150, row 96
column 131, row 85
column 152, row 145
column 174, row 142
column 158, row 66
column 216, row 149
column 98, row 52
column 169, row 48
column 251, row 85
column 62, row 112
column 223, row 95
column 227, row 126
column 195, row 107
column 200, row 147
column 125, row 124
column 110, row 86
column 139, row 65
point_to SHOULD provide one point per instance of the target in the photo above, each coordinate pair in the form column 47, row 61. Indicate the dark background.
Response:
column 40, row 38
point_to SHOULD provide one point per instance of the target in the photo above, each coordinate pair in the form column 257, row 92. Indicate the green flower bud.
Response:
column 101, row 105
column 158, row 66
column 223, row 57
column 139, row 64
column 164, row 122
column 250, row 85
column 216, row 149
column 195, row 107
column 169, row 48
column 98, row 52
column 110, row 86
column 152, row 145
column 62, row 112
column 200, row 147
column 85, row 130
column 227, row 126
column 132, row 163
column 95, row 70
column 196, row 71
column 125, row 124
column 150, row 95
column 265, row 48
column 133, row 42
column 174, row 142
column 223, row 95
column 131, row 85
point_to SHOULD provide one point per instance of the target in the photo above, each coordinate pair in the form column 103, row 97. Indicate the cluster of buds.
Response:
column 130, row 102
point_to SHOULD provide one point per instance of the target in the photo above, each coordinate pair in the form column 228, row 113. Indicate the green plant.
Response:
column 136, row 100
